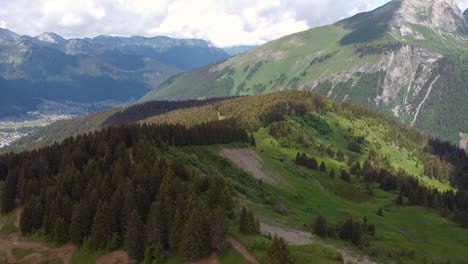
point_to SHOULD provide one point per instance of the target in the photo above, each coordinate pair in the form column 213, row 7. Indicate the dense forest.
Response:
column 122, row 187
column 142, row 111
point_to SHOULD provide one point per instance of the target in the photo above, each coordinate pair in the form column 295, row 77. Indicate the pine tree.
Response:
column 26, row 224
column 356, row 235
column 244, row 221
column 80, row 222
column 332, row 173
column 174, row 233
column 320, row 227
column 380, row 212
column 101, row 233
column 252, row 225
column 60, row 231
column 148, row 256
column 135, row 236
column 278, row 252
column 345, row 176
column 195, row 241
column 399, row 200
column 218, row 229
column 159, row 257
column 323, row 168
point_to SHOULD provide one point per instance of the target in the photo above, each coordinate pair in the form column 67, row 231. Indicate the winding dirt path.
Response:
column 41, row 253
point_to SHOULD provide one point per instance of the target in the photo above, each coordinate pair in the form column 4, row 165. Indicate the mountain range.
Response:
column 407, row 59
column 35, row 70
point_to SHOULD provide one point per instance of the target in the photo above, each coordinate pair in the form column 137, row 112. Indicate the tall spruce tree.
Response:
column 135, row 239
column 278, row 252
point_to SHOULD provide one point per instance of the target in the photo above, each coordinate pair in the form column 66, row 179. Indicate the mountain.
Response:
column 233, row 172
column 235, row 50
column 407, row 59
column 36, row 70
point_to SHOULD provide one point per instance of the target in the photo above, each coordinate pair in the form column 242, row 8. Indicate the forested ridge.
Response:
column 122, row 187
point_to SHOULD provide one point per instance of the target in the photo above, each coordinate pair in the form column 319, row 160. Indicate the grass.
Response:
column 230, row 256
column 417, row 228
column 84, row 256
column 8, row 222
column 53, row 261
column 314, row 254
column 309, row 194
column 20, row 253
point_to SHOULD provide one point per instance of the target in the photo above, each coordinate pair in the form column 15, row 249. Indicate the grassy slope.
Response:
column 421, row 229
column 290, row 55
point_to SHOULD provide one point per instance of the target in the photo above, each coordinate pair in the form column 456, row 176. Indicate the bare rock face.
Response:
column 437, row 14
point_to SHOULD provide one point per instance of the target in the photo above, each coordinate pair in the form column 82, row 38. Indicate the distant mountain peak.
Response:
column 8, row 35
column 437, row 14
column 50, row 37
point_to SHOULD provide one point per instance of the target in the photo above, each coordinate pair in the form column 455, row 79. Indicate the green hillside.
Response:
column 396, row 186
column 412, row 72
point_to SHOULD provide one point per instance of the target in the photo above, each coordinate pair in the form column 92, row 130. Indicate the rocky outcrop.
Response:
column 436, row 14
column 406, row 79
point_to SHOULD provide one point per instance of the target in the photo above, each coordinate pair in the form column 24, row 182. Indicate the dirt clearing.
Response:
column 292, row 236
column 298, row 237
column 250, row 161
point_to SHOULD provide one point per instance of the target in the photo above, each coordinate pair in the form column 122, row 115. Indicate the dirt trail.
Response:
column 116, row 257
column 242, row 250
column 41, row 253
column 298, row 237
column 251, row 162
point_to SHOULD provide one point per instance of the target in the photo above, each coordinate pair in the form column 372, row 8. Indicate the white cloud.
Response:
column 226, row 22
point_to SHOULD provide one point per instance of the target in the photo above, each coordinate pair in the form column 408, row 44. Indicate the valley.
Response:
column 12, row 129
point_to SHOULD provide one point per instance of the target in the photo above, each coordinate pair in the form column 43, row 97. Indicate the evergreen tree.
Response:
column 174, row 233
column 356, row 169
column 218, row 229
column 80, row 221
column 345, row 176
column 60, row 231
column 195, row 241
column 135, row 236
column 159, row 256
column 148, row 256
column 101, row 233
column 320, row 227
column 380, row 212
column 26, row 225
column 323, row 168
column 399, row 200
column 278, row 252
column 244, row 221
column 332, row 173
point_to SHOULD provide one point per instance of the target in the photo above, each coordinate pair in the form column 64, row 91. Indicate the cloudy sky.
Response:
column 224, row 22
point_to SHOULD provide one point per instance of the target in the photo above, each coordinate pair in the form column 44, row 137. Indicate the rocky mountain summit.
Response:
column 436, row 14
